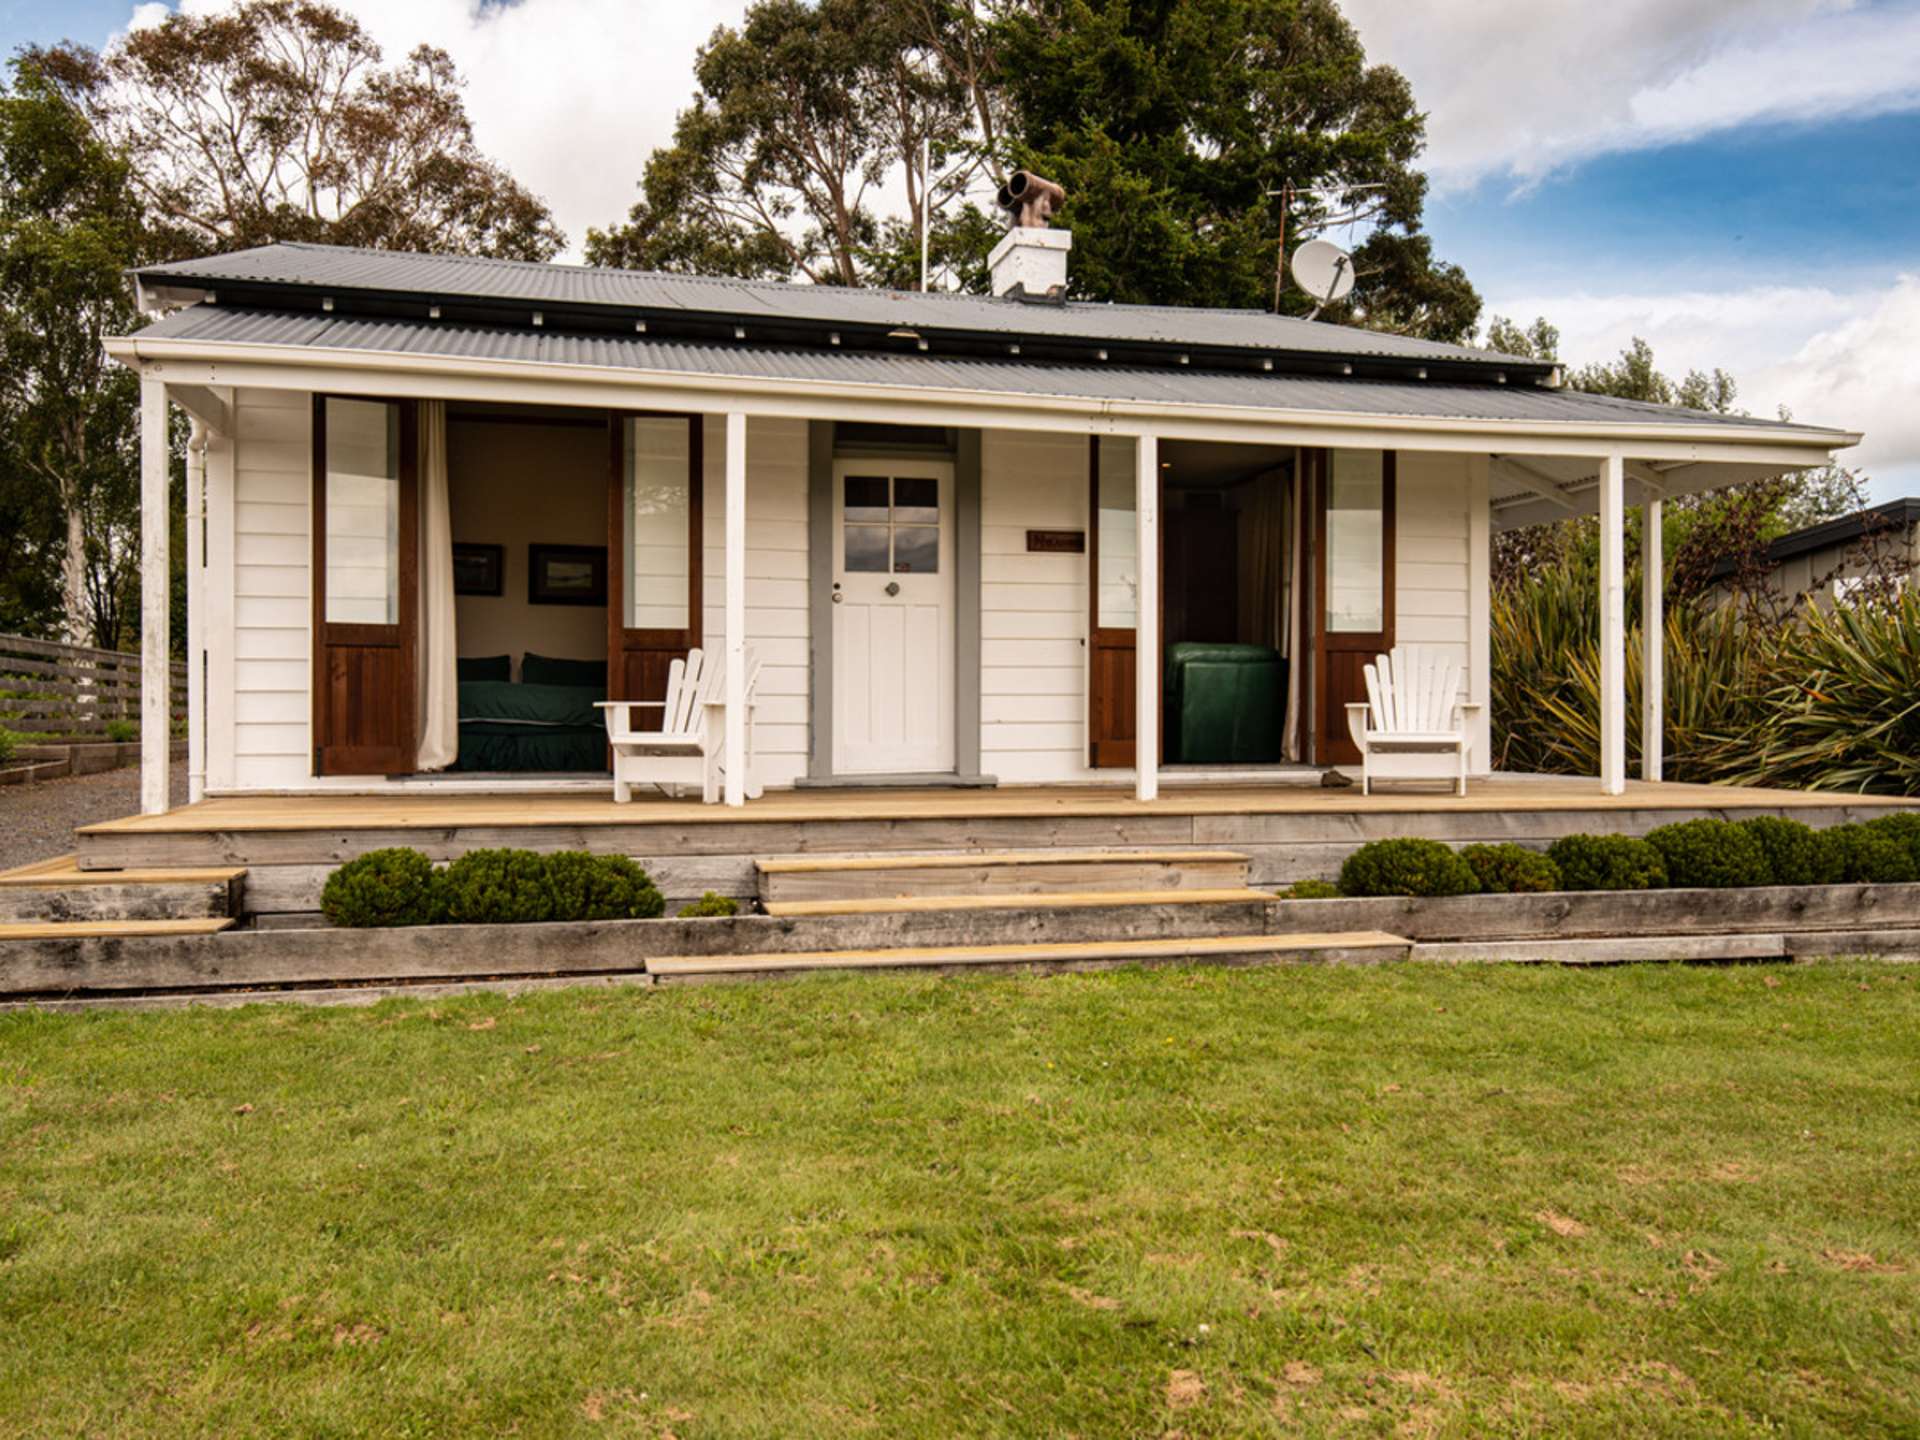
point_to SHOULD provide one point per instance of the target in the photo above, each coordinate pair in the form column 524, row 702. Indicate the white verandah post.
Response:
column 1653, row 640
column 196, row 518
column 156, row 721
column 1613, row 626
column 736, row 609
column 1146, row 620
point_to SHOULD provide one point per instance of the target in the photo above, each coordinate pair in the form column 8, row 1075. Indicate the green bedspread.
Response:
column 504, row 726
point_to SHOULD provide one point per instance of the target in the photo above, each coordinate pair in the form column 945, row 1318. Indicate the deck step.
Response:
column 111, row 929
column 58, row 890
column 1053, row 900
column 1035, row 872
column 1349, row 946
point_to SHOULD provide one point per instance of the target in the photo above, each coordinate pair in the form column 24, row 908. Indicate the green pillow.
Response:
column 546, row 670
column 486, row 667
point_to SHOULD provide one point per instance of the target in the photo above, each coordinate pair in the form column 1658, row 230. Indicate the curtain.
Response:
column 1270, row 537
column 438, row 689
column 1296, row 640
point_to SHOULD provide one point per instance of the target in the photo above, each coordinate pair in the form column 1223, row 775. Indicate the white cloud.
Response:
column 1521, row 88
column 1844, row 358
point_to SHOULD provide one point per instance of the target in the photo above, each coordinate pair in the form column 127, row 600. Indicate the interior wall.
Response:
column 515, row 484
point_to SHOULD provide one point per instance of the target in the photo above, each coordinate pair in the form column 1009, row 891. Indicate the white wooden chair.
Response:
column 689, row 747
column 1413, row 726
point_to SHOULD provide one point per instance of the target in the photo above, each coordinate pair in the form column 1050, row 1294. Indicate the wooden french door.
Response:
column 1113, row 571
column 654, row 549
column 366, row 585
column 1353, row 589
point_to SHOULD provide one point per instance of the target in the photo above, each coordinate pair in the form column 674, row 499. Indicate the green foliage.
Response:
column 1864, row 855
column 1405, row 866
column 1607, row 862
column 497, row 887
column 1511, row 869
column 710, row 904
column 600, row 887
column 9, row 745
column 122, row 732
column 1311, row 890
column 1903, row 826
column 1794, row 853
column 382, row 888
column 1708, row 854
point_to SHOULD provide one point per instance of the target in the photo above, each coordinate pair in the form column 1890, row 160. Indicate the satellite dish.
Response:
column 1323, row 270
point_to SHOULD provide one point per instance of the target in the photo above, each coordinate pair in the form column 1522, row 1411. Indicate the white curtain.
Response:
column 439, row 674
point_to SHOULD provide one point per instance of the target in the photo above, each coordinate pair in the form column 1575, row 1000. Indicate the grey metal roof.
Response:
column 338, row 270
column 221, row 325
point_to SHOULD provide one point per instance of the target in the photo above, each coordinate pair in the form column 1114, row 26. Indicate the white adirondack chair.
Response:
column 1413, row 726
column 689, row 747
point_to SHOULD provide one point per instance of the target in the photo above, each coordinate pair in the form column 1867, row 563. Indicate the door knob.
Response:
column 893, row 587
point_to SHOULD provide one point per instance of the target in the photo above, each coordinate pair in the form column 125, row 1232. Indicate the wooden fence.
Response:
column 47, row 688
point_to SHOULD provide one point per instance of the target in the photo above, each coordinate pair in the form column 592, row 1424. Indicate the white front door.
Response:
column 893, row 617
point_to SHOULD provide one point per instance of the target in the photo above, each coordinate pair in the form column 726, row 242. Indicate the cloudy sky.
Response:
column 1736, row 180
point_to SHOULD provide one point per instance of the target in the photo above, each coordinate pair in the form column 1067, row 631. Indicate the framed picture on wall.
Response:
column 479, row 569
column 566, row 574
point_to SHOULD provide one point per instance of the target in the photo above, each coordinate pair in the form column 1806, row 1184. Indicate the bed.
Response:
column 545, row 721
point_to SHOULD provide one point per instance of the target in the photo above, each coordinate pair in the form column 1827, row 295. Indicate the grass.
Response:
column 1407, row 1201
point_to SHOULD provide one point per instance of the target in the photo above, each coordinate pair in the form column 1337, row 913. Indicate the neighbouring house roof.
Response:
column 1895, row 517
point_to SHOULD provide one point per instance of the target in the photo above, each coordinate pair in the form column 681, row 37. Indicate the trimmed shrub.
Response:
column 1405, row 866
column 9, row 745
column 1511, row 869
column 1311, row 890
column 497, row 887
column 122, row 732
column 381, row 888
column 601, row 887
column 1904, row 827
column 710, row 904
column 1607, row 862
column 1709, row 854
column 1793, row 851
column 1862, row 855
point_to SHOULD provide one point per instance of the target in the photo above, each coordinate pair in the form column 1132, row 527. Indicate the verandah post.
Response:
column 156, row 674
column 1653, row 639
column 1146, row 622
column 1613, row 626
column 736, row 553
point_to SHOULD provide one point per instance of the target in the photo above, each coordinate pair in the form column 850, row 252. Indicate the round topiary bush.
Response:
column 380, row 888
column 1904, row 827
column 1863, row 855
column 1607, row 862
column 601, row 887
column 1793, row 852
column 497, row 887
column 1708, row 854
column 1405, row 866
column 1311, row 890
column 709, row 905
column 1511, row 869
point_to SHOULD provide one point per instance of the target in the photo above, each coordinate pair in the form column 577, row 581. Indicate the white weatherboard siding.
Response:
column 1431, row 561
column 1033, row 609
column 272, row 602
column 776, row 581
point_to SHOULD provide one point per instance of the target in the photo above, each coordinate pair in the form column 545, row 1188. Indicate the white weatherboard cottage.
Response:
column 438, row 507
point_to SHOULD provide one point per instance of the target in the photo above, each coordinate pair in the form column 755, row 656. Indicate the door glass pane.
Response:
column 867, row 549
column 363, row 512
column 916, row 500
column 1119, row 538
column 1356, row 542
column 659, row 511
column 916, row 550
column 866, row 497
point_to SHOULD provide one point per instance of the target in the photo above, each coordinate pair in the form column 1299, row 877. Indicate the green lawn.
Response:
column 1640, row 1201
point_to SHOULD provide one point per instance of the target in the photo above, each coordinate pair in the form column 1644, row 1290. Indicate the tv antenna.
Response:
column 1340, row 276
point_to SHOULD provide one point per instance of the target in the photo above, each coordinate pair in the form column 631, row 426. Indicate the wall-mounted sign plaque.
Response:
column 1056, row 542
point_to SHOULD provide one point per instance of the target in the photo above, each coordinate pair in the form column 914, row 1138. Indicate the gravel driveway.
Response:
column 37, row 819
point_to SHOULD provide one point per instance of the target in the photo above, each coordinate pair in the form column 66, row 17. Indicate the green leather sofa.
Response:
column 1224, row 704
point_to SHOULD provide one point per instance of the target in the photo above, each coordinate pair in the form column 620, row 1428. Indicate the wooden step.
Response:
column 1054, row 900
column 1014, row 873
column 1347, row 946
column 58, row 890
column 110, row 929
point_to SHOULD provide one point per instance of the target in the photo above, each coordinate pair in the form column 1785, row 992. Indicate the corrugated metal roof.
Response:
column 215, row 325
column 446, row 277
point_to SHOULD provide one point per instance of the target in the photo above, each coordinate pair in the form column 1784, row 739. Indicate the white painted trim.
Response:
column 1613, row 626
column 196, row 519
column 1479, row 614
column 1146, row 620
column 736, row 609
column 156, row 733
column 217, row 606
column 1653, row 638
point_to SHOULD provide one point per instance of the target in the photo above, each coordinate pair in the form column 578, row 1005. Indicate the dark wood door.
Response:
column 654, row 483
column 1111, row 653
column 1353, row 589
column 366, row 585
